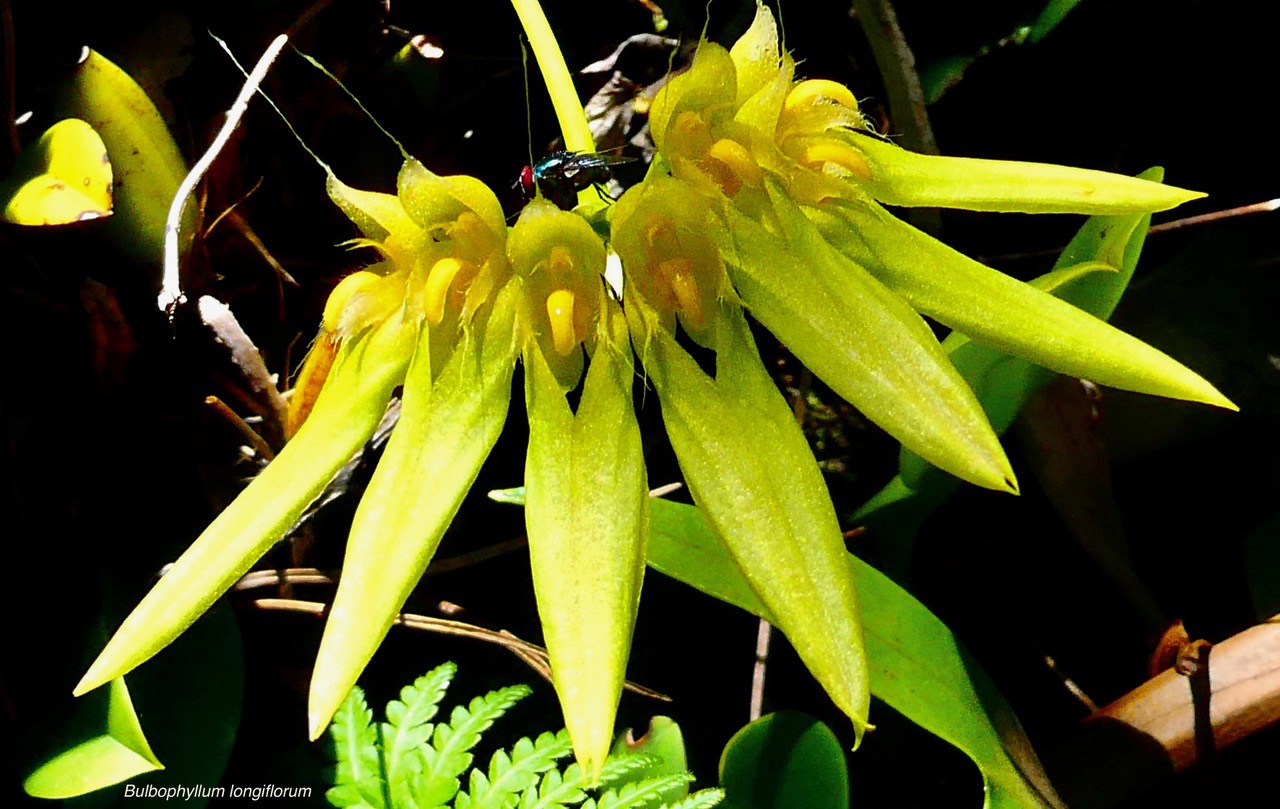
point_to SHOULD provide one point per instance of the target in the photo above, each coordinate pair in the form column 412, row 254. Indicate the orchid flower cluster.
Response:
column 765, row 198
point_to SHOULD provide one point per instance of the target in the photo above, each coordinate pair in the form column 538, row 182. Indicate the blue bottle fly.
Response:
column 561, row 175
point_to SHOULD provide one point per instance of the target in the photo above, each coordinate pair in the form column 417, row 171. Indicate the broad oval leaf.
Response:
column 119, row 753
column 63, row 177
column 784, row 760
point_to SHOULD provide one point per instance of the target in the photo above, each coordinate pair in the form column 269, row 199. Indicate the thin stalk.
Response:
column 564, row 96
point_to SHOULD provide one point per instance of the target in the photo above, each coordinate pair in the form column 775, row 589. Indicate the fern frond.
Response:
column 447, row 756
column 408, row 762
column 511, row 774
column 555, row 790
column 358, row 778
column 650, row 792
column 621, row 766
column 409, row 727
column 702, row 799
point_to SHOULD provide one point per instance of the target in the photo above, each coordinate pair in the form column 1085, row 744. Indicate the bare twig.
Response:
column 764, row 633
column 250, row 435
column 484, row 554
column 10, row 110
column 1164, row 227
column 1216, row 216
column 531, row 653
column 171, row 287
column 1175, row 719
column 1244, row 696
column 897, row 66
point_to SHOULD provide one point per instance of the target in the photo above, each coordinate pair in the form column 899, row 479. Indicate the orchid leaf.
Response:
column 448, row 423
column 588, row 526
column 940, row 75
column 1054, row 12
column 116, row 753
column 916, row 665
column 145, row 161
column 1003, row 383
column 347, row 412
column 63, row 177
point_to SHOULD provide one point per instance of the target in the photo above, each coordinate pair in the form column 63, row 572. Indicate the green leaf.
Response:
column 1007, row 314
column 1054, row 12
column 63, row 177
column 642, row 794
column 900, row 177
column 359, row 779
column 663, row 745
column 940, row 75
column 191, row 698
column 702, row 799
column 915, row 663
column 511, row 775
column 409, row 727
column 346, row 414
column 588, row 526
column 145, row 160
column 117, row 753
column 450, row 748
column 863, row 341
column 448, row 423
column 556, row 789
column 784, row 760
column 735, row 438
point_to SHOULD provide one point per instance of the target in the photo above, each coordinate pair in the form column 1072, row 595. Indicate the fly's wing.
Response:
column 599, row 161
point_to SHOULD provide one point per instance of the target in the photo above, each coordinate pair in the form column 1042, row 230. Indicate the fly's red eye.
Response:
column 526, row 180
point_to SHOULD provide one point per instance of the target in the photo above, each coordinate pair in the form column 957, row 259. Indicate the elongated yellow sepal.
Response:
column 736, row 438
column 369, row 367
column 900, row 177
column 587, row 513
column 449, row 420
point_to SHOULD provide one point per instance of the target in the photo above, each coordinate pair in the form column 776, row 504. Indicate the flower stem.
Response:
column 564, row 96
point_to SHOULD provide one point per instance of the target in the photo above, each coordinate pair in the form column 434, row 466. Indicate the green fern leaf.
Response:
column 646, row 794
column 358, row 780
column 409, row 763
column 555, row 790
column 409, row 728
column 448, row 755
column 702, row 799
column 619, row 767
column 511, row 774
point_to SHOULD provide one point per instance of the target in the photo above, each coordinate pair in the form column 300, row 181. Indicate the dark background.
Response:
column 112, row 463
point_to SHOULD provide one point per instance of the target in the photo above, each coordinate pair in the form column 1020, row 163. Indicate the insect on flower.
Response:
column 561, row 175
